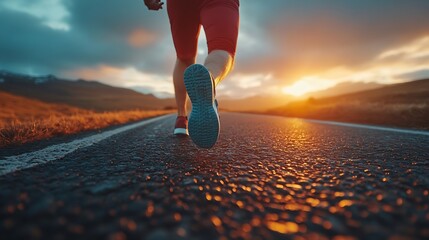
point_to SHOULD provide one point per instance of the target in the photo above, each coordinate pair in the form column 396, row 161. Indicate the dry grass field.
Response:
column 24, row 120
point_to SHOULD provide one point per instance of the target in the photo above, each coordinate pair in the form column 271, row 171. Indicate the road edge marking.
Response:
column 372, row 127
column 11, row 164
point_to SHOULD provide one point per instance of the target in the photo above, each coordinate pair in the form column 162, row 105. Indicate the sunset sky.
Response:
column 285, row 46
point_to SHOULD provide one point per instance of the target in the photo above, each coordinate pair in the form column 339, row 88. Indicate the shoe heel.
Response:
column 204, row 120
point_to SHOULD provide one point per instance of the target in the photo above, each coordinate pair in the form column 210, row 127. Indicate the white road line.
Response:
column 56, row 152
column 354, row 125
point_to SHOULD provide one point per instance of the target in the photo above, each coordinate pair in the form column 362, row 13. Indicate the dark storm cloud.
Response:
column 101, row 18
column 109, row 23
column 27, row 44
column 98, row 35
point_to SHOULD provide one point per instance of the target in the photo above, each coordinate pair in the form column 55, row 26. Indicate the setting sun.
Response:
column 297, row 89
column 306, row 85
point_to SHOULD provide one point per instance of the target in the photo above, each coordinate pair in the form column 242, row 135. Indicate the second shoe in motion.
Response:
column 204, row 118
column 181, row 127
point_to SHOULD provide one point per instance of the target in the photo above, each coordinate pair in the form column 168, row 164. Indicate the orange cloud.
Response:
column 141, row 38
column 100, row 73
column 394, row 65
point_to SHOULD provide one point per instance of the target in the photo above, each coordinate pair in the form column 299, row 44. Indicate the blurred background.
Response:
column 343, row 60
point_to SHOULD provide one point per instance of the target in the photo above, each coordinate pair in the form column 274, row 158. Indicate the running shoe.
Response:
column 181, row 127
column 204, row 117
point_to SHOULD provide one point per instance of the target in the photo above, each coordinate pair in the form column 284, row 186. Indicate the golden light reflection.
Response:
column 128, row 223
column 294, row 186
column 333, row 210
column 313, row 201
column 339, row 194
column 209, row 197
column 283, row 227
column 216, row 221
column 177, row 217
column 256, row 221
column 181, row 232
column 297, row 207
column 345, row 203
column 217, row 198
column 399, row 201
column 272, row 217
column 150, row 209
column 246, row 228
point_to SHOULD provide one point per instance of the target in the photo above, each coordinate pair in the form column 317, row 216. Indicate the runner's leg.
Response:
column 219, row 63
column 220, row 19
column 179, row 85
column 185, row 27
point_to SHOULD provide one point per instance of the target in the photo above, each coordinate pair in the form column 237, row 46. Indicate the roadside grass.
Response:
column 406, row 115
column 17, row 131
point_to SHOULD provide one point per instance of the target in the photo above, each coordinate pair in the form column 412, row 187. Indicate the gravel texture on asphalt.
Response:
column 266, row 178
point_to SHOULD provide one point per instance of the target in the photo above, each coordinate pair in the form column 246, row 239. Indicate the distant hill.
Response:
column 405, row 93
column 90, row 95
column 344, row 88
column 402, row 105
column 14, row 107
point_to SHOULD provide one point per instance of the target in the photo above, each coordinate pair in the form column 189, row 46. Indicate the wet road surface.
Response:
column 266, row 178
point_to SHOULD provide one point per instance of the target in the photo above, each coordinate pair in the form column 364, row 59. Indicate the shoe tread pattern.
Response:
column 203, row 120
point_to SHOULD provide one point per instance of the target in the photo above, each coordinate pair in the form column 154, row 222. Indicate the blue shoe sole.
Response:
column 204, row 119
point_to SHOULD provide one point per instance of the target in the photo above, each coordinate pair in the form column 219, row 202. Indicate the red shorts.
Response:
column 220, row 19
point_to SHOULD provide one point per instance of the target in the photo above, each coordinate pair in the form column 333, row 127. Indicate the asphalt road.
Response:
column 266, row 178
